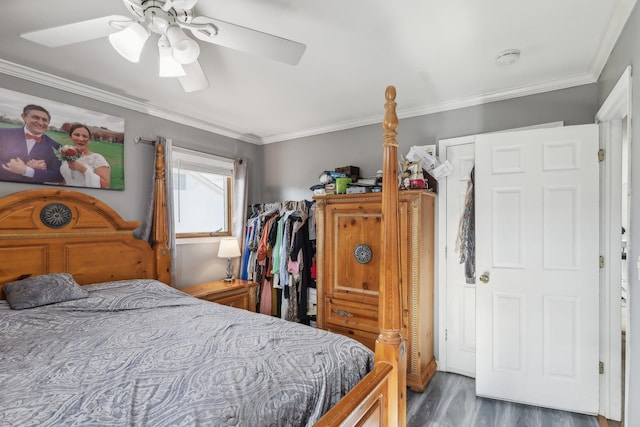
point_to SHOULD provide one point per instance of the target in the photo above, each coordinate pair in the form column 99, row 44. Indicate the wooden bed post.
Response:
column 160, row 226
column 380, row 399
column 390, row 345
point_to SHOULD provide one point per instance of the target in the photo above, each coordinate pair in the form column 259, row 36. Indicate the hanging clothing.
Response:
column 280, row 257
column 263, row 245
column 465, row 242
column 265, row 289
column 292, row 312
column 244, row 263
column 303, row 252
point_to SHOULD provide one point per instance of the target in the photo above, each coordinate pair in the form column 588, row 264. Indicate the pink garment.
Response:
column 293, row 267
column 265, row 297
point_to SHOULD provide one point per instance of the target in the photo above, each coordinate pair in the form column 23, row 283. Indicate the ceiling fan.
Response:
column 177, row 52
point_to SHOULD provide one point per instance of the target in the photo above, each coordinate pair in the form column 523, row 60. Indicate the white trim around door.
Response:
column 614, row 117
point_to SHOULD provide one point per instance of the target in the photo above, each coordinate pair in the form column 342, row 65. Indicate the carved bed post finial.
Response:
column 390, row 345
column 390, row 123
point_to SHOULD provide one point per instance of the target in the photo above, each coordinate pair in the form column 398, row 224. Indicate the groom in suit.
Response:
column 27, row 154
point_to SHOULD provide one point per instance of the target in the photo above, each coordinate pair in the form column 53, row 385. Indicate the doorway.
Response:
column 457, row 338
column 614, row 118
column 613, row 308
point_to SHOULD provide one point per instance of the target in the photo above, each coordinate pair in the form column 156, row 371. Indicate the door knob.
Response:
column 484, row 278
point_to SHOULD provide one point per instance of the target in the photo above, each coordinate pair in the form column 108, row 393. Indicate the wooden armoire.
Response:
column 349, row 245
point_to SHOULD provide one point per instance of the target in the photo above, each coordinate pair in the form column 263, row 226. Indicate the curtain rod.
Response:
column 139, row 139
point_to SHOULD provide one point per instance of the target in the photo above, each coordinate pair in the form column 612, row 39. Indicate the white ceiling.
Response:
column 438, row 53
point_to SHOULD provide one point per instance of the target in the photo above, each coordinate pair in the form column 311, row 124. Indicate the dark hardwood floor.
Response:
column 450, row 401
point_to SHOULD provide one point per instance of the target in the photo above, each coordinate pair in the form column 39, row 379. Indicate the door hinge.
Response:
column 601, row 261
column 601, row 155
column 601, row 367
column 446, row 334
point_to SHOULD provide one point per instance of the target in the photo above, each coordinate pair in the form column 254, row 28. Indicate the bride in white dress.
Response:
column 90, row 170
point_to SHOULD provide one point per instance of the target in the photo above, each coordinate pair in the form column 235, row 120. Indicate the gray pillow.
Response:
column 42, row 290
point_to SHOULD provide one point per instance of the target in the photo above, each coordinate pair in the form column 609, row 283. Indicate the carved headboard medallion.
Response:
column 55, row 215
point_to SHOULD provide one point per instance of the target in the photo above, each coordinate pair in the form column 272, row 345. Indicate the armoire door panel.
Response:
column 350, row 230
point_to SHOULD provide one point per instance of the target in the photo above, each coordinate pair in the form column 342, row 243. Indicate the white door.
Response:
column 537, row 247
column 457, row 351
column 461, row 296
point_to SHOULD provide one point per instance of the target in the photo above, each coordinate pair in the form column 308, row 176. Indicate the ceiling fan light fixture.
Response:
column 130, row 41
column 168, row 67
column 171, row 19
column 185, row 50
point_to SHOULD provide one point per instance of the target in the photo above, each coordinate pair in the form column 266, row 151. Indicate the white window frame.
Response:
column 182, row 158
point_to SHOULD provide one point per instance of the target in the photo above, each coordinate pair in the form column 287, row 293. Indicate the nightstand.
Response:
column 237, row 293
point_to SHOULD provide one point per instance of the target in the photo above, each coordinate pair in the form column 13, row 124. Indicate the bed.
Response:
column 92, row 335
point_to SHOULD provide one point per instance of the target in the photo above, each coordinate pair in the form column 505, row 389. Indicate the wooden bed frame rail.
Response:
column 366, row 404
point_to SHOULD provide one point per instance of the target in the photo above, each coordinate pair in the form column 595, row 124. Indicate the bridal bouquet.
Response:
column 68, row 153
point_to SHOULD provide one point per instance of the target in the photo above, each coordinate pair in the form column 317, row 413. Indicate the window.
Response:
column 202, row 186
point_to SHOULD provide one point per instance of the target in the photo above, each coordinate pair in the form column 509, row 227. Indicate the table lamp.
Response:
column 229, row 249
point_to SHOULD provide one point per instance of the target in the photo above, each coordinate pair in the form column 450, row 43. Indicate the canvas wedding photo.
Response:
column 46, row 142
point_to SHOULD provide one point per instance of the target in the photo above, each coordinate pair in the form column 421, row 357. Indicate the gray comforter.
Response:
column 140, row 353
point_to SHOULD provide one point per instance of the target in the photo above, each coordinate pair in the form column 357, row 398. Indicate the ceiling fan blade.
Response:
column 250, row 41
column 76, row 32
column 194, row 78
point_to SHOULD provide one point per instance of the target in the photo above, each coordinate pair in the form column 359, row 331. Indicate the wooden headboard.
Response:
column 53, row 230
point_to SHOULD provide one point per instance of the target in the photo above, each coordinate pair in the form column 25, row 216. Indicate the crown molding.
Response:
column 486, row 98
column 617, row 20
column 67, row 85
column 40, row 77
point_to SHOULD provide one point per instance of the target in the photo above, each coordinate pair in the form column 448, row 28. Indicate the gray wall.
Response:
column 626, row 53
column 291, row 167
column 197, row 263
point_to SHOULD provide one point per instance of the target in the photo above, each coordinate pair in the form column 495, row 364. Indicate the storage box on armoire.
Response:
column 352, row 172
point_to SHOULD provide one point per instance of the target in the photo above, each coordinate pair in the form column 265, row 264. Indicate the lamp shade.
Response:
column 130, row 41
column 228, row 248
